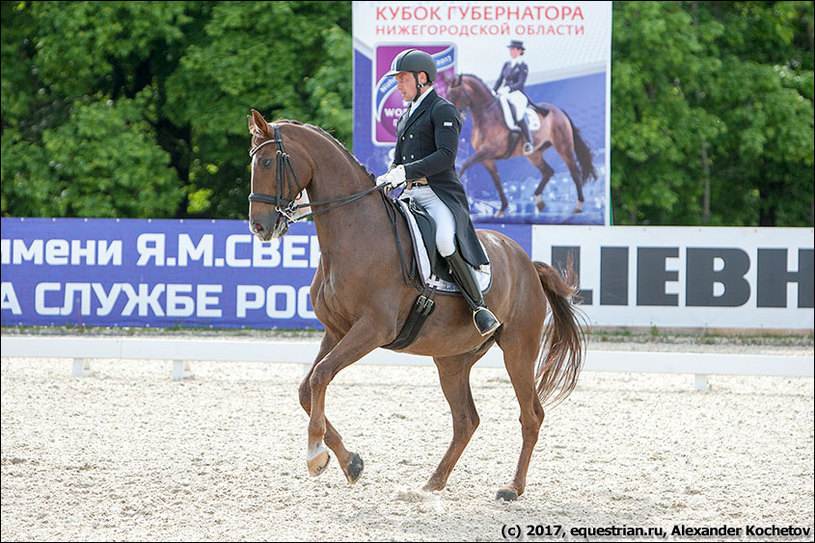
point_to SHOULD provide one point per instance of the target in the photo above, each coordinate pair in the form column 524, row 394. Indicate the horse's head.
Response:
column 457, row 93
column 466, row 90
column 279, row 174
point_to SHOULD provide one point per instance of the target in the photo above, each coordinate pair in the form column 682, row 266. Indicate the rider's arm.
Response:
column 519, row 83
column 500, row 78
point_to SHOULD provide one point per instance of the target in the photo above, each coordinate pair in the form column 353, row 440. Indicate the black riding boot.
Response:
column 464, row 275
column 528, row 147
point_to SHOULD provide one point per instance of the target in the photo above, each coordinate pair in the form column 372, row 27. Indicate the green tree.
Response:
column 712, row 113
column 138, row 109
column 257, row 55
column 77, row 140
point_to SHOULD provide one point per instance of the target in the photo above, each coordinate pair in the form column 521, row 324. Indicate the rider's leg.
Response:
column 462, row 272
column 519, row 102
column 528, row 143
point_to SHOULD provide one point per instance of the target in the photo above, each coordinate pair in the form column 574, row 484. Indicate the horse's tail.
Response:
column 585, row 156
column 563, row 343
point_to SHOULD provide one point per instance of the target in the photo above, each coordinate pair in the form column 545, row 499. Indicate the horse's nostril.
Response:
column 258, row 227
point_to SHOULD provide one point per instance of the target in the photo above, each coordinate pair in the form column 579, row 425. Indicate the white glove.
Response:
column 503, row 91
column 394, row 177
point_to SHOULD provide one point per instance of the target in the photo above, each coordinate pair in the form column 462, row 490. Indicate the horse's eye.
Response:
column 266, row 163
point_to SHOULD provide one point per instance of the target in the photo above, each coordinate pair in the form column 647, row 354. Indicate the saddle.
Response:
column 427, row 241
column 428, row 273
column 530, row 113
column 431, row 267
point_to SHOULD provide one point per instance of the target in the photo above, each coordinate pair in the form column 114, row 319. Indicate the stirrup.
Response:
column 528, row 148
column 485, row 322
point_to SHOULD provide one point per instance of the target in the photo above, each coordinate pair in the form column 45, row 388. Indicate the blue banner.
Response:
column 161, row 273
column 166, row 273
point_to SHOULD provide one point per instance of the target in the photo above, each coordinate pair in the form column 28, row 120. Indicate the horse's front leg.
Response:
column 473, row 159
column 350, row 463
column 361, row 339
column 496, row 179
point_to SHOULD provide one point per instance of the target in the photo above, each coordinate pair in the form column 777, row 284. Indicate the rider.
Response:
column 510, row 88
column 426, row 146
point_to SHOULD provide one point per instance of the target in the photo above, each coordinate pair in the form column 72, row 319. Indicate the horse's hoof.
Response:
column 578, row 208
column 354, row 469
column 539, row 203
column 506, row 495
column 318, row 462
column 432, row 487
column 500, row 213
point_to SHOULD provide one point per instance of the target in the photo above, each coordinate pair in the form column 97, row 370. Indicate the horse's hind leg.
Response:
column 565, row 148
column 576, row 176
column 519, row 358
column 454, row 376
column 546, row 174
column 350, row 463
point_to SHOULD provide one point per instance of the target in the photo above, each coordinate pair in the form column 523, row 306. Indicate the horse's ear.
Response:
column 257, row 124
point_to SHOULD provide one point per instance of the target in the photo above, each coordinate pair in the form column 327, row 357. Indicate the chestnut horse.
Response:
column 492, row 140
column 359, row 295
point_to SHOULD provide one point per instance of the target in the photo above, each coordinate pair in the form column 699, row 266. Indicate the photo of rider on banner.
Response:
column 533, row 102
column 506, row 124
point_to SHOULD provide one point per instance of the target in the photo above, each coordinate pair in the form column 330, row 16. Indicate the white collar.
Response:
column 515, row 61
column 415, row 105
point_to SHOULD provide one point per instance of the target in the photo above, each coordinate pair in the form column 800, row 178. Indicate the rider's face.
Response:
column 407, row 85
column 514, row 52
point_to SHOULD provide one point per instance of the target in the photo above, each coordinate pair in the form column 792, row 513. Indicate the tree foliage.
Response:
column 138, row 109
column 712, row 113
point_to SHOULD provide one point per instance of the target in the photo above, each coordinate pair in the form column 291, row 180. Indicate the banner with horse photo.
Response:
column 532, row 84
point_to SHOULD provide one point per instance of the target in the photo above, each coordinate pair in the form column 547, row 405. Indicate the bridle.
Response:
column 286, row 174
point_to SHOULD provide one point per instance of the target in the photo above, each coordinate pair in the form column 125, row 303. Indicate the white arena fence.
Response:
column 181, row 352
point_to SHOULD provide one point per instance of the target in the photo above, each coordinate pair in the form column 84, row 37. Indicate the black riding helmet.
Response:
column 415, row 61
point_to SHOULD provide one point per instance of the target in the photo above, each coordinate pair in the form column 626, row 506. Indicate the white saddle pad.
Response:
column 531, row 115
column 482, row 274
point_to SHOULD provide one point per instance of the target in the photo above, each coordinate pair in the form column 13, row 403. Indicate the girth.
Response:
column 424, row 304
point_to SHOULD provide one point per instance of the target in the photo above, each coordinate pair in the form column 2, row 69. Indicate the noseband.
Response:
column 286, row 174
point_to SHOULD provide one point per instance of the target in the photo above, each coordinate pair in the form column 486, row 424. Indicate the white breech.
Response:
column 445, row 223
column 519, row 102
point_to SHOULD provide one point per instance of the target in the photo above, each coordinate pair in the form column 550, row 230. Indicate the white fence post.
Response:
column 181, row 369
column 82, row 368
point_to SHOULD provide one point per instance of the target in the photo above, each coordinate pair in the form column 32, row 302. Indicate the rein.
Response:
column 285, row 173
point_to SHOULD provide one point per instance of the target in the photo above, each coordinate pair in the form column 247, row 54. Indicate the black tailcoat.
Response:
column 513, row 76
column 427, row 144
